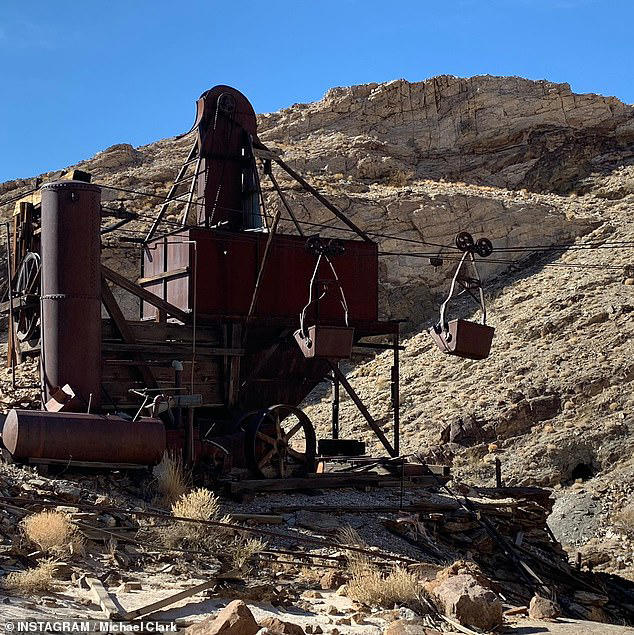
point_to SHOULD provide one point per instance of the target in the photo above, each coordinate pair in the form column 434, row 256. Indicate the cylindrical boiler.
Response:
column 71, row 289
column 69, row 436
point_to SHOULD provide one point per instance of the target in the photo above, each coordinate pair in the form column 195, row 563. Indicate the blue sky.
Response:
column 77, row 77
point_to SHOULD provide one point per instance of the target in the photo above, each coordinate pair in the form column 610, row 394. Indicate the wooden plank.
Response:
column 127, row 335
column 148, row 331
column 102, row 597
column 328, row 482
column 234, row 366
column 165, row 275
column 172, row 349
column 142, row 293
column 172, row 599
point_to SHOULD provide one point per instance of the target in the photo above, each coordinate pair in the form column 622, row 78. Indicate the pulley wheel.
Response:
column 279, row 442
column 464, row 241
column 484, row 247
column 27, row 318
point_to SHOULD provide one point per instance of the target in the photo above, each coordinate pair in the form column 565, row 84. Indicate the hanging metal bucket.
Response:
column 332, row 342
column 463, row 338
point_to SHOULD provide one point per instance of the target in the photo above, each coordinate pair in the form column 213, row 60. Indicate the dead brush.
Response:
column 625, row 518
column 36, row 580
column 52, row 532
column 170, row 480
column 371, row 586
column 199, row 504
column 243, row 551
column 399, row 178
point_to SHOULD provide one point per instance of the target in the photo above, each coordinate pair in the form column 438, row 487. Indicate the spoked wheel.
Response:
column 27, row 318
column 279, row 442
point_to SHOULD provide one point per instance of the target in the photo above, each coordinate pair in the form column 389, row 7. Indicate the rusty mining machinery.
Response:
column 216, row 364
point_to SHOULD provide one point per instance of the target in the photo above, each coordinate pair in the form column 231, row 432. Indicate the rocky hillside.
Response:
column 524, row 163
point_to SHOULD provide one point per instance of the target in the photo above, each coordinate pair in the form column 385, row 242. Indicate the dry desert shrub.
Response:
column 36, row 580
column 169, row 478
column 243, row 551
column 372, row 587
column 625, row 518
column 52, row 532
column 399, row 178
column 199, row 504
column 230, row 547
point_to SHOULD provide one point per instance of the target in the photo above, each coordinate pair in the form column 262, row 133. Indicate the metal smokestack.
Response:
column 71, row 289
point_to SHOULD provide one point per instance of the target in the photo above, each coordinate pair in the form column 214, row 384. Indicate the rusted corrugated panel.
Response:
column 71, row 288
column 83, row 437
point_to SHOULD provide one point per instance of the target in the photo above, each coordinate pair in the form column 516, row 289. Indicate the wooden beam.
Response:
column 165, row 275
column 127, row 335
column 172, row 599
column 266, row 357
column 102, row 597
column 362, row 409
column 144, row 294
column 329, row 481
column 173, row 349
column 234, row 366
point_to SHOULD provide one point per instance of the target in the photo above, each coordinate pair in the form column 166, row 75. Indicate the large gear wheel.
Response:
column 279, row 442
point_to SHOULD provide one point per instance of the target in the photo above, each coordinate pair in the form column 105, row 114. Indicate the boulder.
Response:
column 277, row 626
column 332, row 580
column 317, row 521
column 234, row 619
column 463, row 598
column 542, row 608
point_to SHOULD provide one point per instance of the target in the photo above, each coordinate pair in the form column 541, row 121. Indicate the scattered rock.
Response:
column 406, row 627
column 234, row 619
column 277, row 626
column 464, row 599
column 317, row 521
column 312, row 594
column 333, row 579
column 542, row 608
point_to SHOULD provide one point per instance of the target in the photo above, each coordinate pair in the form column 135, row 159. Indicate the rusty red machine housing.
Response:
column 222, row 275
column 211, row 358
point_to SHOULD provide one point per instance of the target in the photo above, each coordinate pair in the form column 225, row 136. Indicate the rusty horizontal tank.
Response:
column 64, row 436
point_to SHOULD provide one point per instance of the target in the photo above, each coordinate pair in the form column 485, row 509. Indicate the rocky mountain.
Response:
column 524, row 163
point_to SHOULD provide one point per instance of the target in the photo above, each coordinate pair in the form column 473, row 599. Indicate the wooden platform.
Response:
column 331, row 480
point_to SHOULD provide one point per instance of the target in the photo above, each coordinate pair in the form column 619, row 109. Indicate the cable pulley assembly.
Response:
column 324, row 340
column 464, row 338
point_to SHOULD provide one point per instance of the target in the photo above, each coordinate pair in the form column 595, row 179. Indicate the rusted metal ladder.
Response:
column 184, row 175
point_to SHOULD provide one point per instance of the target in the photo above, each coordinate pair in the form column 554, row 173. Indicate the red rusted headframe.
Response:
column 226, row 126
